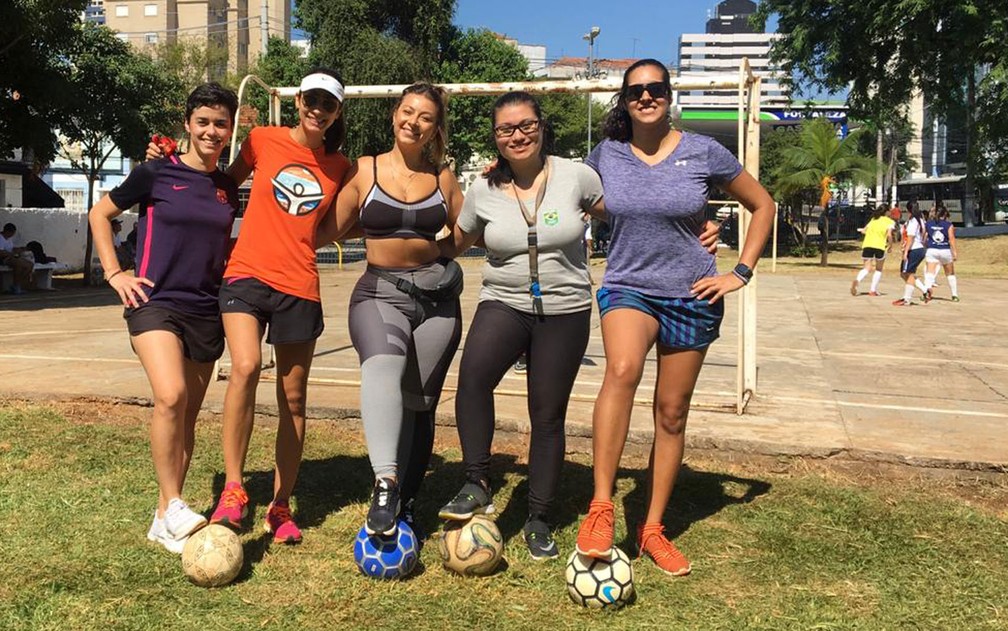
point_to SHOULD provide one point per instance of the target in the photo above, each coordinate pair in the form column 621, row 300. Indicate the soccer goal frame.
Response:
column 744, row 83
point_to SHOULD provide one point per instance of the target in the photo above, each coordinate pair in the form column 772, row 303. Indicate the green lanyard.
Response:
column 533, row 242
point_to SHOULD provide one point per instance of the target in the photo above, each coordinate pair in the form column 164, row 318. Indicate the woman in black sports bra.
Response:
column 405, row 337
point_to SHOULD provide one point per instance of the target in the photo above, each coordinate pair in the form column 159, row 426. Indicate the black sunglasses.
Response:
column 318, row 99
column 657, row 90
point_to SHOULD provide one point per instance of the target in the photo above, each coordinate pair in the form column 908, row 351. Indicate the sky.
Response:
column 629, row 28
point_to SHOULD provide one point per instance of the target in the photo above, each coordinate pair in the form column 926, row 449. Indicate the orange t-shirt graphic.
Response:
column 292, row 189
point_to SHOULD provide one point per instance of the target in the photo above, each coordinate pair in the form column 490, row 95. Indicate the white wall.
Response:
column 62, row 232
column 11, row 189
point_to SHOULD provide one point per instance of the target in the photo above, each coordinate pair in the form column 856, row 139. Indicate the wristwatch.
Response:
column 743, row 272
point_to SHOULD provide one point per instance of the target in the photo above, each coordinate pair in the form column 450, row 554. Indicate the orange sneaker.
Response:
column 652, row 542
column 595, row 537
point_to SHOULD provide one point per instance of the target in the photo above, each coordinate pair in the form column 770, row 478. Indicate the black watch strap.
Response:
column 743, row 272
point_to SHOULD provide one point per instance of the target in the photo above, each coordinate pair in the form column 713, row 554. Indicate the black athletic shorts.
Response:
column 202, row 336
column 873, row 253
column 292, row 320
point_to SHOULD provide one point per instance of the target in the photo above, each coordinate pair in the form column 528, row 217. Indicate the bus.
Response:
column 950, row 190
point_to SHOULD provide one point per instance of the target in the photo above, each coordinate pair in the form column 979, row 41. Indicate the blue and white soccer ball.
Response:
column 387, row 557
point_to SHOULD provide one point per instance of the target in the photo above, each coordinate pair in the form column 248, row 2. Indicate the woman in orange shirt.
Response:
column 271, row 286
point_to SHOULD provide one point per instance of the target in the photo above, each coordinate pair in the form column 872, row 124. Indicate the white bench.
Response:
column 42, row 273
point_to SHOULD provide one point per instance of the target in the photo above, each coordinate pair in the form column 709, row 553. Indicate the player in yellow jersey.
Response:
column 878, row 239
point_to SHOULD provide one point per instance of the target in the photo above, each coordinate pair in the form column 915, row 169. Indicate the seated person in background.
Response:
column 13, row 258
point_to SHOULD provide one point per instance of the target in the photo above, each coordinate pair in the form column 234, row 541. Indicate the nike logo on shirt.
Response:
column 176, row 187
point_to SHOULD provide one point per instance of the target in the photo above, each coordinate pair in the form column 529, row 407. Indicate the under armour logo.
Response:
column 680, row 163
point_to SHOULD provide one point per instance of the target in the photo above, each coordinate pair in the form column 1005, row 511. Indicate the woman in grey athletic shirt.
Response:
column 405, row 341
column 527, row 195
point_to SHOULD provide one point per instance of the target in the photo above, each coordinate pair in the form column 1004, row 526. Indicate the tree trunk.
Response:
column 969, row 205
column 824, row 240
column 89, row 241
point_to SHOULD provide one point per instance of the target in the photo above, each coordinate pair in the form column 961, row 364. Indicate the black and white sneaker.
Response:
column 539, row 539
column 473, row 499
column 381, row 518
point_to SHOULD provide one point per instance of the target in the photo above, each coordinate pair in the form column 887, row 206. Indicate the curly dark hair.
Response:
column 617, row 124
column 502, row 173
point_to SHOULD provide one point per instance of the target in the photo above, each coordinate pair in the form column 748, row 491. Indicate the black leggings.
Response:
column 554, row 346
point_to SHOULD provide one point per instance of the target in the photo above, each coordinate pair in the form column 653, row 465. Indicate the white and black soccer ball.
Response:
column 387, row 557
column 600, row 583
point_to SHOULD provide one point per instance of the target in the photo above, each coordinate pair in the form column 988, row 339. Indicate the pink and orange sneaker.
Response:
column 651, row 541
column 595, row 536
column 281, row 524
column 232, row 507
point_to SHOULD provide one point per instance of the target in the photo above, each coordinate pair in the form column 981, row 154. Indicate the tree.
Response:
column 116, row 98
column 376, row 42
column 189, row 59
column 568, row 113
column 820, row 161
column 476, row 56
column 886, row 50
column 35, row 36
column 282, row 65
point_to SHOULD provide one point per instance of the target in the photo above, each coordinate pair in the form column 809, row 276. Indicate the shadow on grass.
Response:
column 697, row 496
column 326, row 486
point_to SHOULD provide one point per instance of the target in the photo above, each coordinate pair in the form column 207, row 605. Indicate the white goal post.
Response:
column 745, row 83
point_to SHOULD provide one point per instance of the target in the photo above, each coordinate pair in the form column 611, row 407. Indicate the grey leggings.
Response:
column 405, row 347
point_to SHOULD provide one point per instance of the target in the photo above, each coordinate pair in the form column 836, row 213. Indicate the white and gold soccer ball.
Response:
column 600, row 583
column 471, row 548
column 212, row 556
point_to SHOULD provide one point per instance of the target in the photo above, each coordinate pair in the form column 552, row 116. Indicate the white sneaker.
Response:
column 180, row 521
column 157, row 534
column 156, row 529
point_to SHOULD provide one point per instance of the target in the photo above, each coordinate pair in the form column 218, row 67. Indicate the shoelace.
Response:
column 280, row 513
column 383, row 496
column 596, row 515
column 234, row 498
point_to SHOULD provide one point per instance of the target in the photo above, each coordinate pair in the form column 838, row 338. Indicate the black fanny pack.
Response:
column 448, row 287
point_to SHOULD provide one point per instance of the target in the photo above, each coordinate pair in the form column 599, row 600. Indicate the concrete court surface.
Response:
column 837, row 375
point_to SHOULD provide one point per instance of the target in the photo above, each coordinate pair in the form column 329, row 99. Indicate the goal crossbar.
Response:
column 744, row 82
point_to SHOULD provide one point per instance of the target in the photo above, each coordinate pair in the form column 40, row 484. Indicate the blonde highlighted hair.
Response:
column 436, row 149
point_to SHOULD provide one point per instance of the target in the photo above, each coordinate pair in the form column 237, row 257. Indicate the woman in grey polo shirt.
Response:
column 535, row 300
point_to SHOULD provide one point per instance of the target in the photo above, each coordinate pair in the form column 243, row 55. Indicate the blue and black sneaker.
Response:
column 539, row 539
column 473, row 499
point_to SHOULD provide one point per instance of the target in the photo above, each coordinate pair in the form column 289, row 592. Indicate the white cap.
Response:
column 320, row 81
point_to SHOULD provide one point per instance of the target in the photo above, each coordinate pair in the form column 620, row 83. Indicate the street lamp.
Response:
column 590, row 37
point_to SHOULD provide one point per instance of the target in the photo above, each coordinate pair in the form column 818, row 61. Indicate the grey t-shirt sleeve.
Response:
column 589, row 184
column 722, row 166
column 469, row 220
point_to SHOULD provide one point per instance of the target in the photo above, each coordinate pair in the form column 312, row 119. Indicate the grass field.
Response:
column 776, row 544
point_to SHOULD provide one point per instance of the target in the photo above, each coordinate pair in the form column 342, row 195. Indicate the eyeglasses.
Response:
column 658, row 90
column 313, row 99
column 526, row 127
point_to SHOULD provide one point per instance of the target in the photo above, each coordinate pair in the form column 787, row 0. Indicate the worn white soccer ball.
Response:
column 600, row 583
column 212, row 556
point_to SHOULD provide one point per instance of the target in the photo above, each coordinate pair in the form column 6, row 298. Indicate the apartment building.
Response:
column 240, row 27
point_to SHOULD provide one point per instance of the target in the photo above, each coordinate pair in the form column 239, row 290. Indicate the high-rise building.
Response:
column 728, row 39
column 236, row 28
column 94, row 12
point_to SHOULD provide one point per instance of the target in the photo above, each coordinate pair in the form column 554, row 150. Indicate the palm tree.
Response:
column 820, row 160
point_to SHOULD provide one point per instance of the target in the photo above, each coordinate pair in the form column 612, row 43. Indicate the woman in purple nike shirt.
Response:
column 186, row 208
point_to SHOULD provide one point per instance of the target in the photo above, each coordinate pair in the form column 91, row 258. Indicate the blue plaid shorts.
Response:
column 682, row 322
